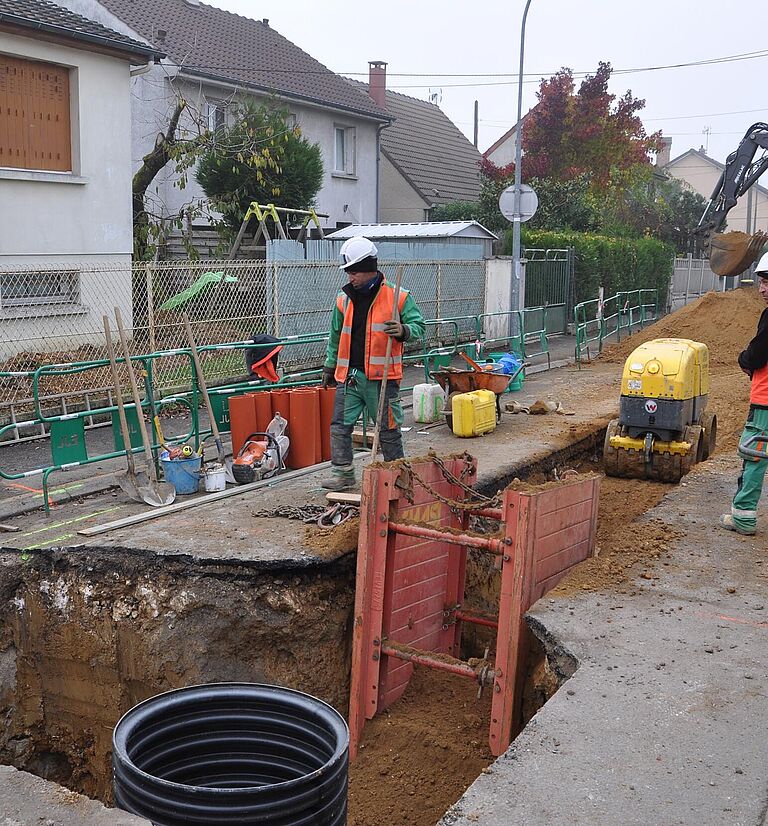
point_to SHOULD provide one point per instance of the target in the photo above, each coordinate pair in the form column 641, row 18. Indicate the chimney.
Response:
column 377, row 82
column 663, row 156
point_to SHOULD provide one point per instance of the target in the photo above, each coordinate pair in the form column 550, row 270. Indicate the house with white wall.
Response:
column 216, row 58
column 702, row 173
column 65, row 171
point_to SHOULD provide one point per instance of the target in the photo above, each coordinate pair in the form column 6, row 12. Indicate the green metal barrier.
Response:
column 621, row 314
column 67, row 432
column 533, row 332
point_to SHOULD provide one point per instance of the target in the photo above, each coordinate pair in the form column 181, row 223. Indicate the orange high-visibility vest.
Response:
column 759, row 389
column 375, row 337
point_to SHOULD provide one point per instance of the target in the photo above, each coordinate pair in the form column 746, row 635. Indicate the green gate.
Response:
column 549, row 283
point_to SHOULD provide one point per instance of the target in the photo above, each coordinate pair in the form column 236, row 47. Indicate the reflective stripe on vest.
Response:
column 758, row 393
column 375, row 337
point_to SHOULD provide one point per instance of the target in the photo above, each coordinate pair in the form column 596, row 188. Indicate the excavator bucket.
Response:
column 730, row 253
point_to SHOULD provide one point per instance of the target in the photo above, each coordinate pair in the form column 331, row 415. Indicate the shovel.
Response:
column 131, row 482
column 223, row 460
column 155, row 493
column 385, row 377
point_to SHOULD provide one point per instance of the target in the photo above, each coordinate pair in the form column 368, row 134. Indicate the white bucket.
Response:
column 215, row 478
column 428, row 402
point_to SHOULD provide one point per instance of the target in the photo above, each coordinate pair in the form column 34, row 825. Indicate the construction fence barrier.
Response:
column 67, row 426
column 692, row 278
column 600, row 320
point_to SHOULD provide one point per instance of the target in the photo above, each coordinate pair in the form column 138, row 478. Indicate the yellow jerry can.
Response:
column 474, row 413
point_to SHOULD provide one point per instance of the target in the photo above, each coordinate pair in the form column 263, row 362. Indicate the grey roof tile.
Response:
column 56, row 19
column 210, row 42
column 430, row 150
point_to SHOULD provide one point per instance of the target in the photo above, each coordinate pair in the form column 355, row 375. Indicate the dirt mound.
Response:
column 420, row 756
column 725, row 322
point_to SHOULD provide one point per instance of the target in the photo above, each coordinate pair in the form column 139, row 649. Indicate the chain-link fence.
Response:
column 55, row 316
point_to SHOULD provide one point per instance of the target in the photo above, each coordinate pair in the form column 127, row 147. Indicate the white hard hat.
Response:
column 762, row 265
column 355, row 249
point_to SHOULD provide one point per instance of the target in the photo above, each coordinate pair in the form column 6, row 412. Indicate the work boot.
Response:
column 726, row 521
column 342, row 478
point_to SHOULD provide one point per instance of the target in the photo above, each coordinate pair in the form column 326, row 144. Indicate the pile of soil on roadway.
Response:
column 419, row 755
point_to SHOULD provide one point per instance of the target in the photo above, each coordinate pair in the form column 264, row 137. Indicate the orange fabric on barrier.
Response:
column 302, row 429
column 242, row 416
column 327, row 401
column 263, row 405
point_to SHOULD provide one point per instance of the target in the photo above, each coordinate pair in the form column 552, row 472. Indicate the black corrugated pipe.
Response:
column 234, row 753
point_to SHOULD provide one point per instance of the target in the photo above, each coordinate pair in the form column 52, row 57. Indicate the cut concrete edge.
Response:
column 26, row 799
column 34, row 502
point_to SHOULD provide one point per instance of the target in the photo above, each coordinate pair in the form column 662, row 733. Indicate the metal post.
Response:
column 518, row 174
column 688, row 278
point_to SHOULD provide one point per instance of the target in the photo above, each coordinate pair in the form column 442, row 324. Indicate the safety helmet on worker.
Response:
column 762, row 266
column 354, row 250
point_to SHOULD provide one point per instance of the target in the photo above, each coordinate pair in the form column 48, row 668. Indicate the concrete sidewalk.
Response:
column 665, row 719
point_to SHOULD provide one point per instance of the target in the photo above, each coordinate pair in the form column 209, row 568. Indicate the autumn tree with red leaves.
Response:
column 586, row 132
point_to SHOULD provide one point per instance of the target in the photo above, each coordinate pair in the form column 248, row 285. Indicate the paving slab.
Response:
column 26, row 800
column 664, row 719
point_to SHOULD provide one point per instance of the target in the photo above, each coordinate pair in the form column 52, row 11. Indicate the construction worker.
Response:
column 361, row 324
column 754, row 362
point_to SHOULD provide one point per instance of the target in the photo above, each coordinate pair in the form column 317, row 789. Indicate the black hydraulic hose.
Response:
column 234, row 753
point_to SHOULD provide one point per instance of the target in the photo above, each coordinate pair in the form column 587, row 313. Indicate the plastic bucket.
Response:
column 517, row 383
column 215, row 478
column 183, row 474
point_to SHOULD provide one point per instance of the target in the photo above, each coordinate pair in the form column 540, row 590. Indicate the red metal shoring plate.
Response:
column 413, row 614
column 552, row 531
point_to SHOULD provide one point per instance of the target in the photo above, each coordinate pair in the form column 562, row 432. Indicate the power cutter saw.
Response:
column 263, row 454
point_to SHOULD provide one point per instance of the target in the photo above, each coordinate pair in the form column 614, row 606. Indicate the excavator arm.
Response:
column 731, row 253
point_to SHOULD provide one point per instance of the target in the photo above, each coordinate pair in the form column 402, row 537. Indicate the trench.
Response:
column 87, row 633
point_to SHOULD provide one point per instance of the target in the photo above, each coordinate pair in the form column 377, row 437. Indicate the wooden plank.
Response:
column 344, row 498
column 202, row 500
column 9, row 528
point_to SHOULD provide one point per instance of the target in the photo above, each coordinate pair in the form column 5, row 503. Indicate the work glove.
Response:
column 398, row 331
column 329, row 377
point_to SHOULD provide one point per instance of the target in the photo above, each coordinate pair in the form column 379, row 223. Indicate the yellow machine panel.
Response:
column 667, row 368
column 474, row 413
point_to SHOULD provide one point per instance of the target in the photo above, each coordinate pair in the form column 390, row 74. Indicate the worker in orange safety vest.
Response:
column 361, row 325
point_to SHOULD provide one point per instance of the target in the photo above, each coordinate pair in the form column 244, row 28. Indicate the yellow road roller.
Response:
column 663, row 427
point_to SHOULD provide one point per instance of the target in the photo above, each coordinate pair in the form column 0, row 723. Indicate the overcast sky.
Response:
column 439, row 39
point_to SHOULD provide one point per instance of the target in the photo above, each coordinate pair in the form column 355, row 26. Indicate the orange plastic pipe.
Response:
column 302, row 430
column 281, row 403
column 263, row 405
column 242, row 415
column 327, row 400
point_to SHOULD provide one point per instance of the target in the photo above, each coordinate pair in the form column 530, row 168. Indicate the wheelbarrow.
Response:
column 455, row 381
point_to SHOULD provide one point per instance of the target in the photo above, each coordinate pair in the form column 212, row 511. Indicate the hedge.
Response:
column 616, row 264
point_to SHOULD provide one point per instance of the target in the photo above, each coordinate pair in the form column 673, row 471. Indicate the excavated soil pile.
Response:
column 725, row 322
column 417, row 759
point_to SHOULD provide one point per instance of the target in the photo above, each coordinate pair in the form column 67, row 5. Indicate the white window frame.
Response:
column 64, row 291
column 216, row 115
column 346, row 165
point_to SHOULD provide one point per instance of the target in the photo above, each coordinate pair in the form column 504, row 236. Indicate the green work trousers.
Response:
column 359, row 396
column 750, row 485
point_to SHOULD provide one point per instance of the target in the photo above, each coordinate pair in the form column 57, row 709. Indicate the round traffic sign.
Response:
column 529, row 202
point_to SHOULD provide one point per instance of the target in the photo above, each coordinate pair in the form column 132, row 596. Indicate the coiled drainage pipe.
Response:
column 234, row 753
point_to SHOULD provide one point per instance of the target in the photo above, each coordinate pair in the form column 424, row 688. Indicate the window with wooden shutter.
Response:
column 35, row 130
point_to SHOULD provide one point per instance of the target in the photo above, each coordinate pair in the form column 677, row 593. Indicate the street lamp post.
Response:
column 516, row 219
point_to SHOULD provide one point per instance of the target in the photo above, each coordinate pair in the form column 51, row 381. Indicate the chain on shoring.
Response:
column 472, row 501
